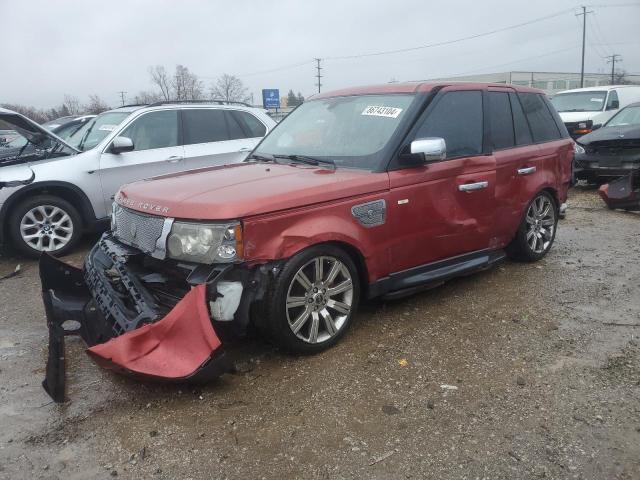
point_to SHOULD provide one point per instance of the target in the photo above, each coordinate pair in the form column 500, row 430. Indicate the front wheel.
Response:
column 313, row 299
column 537, row 230
column 44, row 223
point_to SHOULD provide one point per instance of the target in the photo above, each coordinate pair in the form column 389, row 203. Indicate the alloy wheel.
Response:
column 541, row 223
column 46, row 228
column 319, row 299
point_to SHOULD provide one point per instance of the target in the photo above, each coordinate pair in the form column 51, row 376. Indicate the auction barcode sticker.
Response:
column 375, row 111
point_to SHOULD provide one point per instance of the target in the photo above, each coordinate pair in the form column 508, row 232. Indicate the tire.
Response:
column 291, row 324
column 57, row 226
column 534, row 239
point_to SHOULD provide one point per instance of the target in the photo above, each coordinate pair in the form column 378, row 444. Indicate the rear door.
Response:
column 445, row 208
column 218, row 136
column 157, row 151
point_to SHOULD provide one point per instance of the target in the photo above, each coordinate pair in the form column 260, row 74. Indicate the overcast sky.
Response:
column 82, row 47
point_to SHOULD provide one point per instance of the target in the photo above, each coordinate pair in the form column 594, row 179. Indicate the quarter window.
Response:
column 501, row 120
column 457, row 117
column 204, row 126
column 249, row 123
column 543, row 126
column 520, row 125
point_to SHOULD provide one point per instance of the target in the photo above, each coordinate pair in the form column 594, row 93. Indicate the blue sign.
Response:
column 270, row 98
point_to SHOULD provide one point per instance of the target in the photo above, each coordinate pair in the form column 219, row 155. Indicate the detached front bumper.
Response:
column 125, row 326
column 622, row 193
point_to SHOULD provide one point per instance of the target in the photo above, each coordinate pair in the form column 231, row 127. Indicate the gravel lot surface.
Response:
column 524, row 371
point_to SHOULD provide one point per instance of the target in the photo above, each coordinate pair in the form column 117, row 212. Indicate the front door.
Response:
column 157, row 151
column 446, row 208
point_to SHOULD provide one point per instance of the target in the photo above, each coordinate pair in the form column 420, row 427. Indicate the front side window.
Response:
column 94, row 131
column 501, row 120
column 457, row 117
column 625, row 117
column 352, row 131
column 579, row 101
column 542, row 123
column 154, row 130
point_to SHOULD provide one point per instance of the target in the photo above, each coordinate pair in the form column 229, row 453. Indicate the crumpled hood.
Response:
column 608, row 134
column 245, row 189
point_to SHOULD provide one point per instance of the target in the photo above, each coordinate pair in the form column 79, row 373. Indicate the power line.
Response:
column 449, row 42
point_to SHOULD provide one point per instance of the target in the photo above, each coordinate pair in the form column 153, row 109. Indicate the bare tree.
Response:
column 186, row 85
column 161, row 80
column 229, row 88
column 95, row 105
column 34, row 114
column 145, row 97
column 620, row 78
column 72, row 105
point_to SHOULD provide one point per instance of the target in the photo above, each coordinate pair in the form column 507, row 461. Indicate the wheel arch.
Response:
column 64, row 190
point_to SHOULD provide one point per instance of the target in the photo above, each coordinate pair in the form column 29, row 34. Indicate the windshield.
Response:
column 625, row 117
column 579, row 101
column 94, row 131
column 350, row 131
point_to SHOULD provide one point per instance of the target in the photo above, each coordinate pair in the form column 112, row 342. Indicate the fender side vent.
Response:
column 370, row 214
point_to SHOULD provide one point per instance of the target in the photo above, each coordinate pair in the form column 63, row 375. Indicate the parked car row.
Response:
column 366, row 192
column 76, row 178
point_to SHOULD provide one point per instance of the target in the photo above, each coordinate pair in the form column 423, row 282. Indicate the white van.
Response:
column 583, row 109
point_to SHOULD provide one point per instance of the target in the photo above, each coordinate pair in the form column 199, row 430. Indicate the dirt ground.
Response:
column 525, row 371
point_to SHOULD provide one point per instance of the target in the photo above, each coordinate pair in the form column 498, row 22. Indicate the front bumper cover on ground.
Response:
column 622, row 193
column 181, row 346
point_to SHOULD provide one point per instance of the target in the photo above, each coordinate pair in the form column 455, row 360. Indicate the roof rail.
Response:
column 133, row 105
column 215, row 101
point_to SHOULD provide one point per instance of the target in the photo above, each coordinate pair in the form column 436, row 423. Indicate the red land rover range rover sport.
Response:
column 359, row 193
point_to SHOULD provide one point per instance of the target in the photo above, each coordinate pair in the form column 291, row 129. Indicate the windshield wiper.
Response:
column 265, row 157
column 308, row 159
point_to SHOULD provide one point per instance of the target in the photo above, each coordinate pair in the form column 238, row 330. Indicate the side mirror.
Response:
column 615, row 104
column 424, row 150
column 121, row 144
column 596, row 126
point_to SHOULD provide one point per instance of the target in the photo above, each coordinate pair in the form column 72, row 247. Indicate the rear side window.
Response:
column 612, row 101
column 520, row 125
column 543, row 126
column 457, row 118
column 250, row 124
column 154, row 130
column 559, row 123
column 204, row 126
column 500, row 120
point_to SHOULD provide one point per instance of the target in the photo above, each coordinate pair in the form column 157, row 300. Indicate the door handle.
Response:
column 174, row 159
column 245, row 149
column 470, row 187
column 526, row 170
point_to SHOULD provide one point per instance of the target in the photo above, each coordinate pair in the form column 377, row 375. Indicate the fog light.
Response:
column 226, row 251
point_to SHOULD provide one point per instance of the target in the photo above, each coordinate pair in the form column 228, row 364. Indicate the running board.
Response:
column 405, row 283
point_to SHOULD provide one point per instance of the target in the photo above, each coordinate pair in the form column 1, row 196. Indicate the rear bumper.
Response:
column 125, row 330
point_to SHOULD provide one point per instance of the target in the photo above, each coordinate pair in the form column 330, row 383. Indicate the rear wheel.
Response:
column 313, row 299
column 44, row 223
column 537, row 231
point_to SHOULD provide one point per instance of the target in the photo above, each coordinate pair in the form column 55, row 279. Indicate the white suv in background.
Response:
column 74, row 182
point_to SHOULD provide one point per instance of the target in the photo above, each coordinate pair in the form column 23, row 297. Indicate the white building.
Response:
column 550, row 82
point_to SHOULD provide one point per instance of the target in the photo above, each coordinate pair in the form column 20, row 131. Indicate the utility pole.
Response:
column 584, row 36
column 612, row 60
column 318, row 75
column 122, row 93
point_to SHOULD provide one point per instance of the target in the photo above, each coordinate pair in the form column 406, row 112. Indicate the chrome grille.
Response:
column 137, row 229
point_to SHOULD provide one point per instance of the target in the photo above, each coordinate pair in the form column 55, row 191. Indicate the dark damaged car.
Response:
column 611, row 151
column 368, row 192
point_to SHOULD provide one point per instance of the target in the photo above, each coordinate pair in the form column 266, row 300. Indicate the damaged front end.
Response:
column 141, row 316
column 623, row 193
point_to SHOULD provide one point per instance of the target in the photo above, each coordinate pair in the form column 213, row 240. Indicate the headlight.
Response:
column 205, row 243
column 578, row 149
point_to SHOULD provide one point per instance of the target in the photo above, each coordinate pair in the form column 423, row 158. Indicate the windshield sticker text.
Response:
column 599, row 100
column 107, row 127
column 375, row 111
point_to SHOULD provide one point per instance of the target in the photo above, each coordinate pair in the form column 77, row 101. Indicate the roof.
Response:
column 417, row 87
column 173, row 105
column 604, row 88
